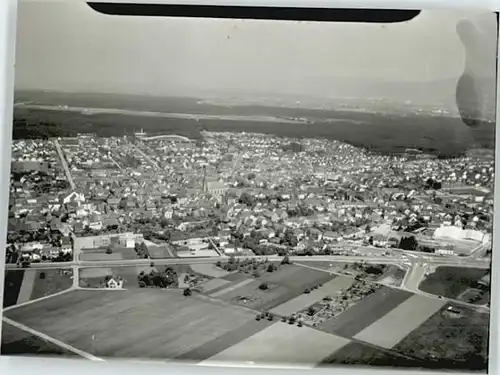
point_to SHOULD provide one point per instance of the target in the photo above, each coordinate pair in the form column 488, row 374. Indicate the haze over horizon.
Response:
column 68, row 47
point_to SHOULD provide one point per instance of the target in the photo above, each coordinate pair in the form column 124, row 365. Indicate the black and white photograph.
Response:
column 252, row 192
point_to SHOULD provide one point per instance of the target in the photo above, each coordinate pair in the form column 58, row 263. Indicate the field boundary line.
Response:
column 38, row 299
column 52, row 340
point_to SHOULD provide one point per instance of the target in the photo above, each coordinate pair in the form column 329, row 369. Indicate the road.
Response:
column 145, row 156
column 478, row 263
column 65, row 165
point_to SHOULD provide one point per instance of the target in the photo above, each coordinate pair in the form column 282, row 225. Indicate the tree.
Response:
column 42, row 275
column 311, row 311
column 286, row 260
column 187, row 292
column 272, row 267
column 263, row 286
column 408, row 243
column 247, row 199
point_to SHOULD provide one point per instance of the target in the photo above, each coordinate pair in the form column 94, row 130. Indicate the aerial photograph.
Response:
column 259, row 193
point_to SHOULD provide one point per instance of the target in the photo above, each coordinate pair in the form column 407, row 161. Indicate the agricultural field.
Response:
column 387, row 274
column 18, row 342
column 459, row 337
column 402, row 320
column 12, row 286
column 161, row 251
column 358, row 354
column 102, row 255
column 26, row 285
column 451, row 282
column 332, row 287
column 365, row 312
column 282, row 343
column 273, row 288
column 93, row 321
column 51, row 281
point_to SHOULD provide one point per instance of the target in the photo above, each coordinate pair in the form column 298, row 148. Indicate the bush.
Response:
column 263, row 286
column 42, row 275
column 187, row 292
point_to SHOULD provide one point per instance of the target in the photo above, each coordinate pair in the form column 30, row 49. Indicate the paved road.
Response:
column 474, row 263
column 145, row 156
column 65, row 165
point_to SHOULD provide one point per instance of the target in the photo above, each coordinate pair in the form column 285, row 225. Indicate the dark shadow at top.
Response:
column 258, row 13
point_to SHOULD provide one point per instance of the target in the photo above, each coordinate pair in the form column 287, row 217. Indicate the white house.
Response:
column 114, row 284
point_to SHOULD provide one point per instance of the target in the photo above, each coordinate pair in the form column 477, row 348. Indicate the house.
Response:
column 66, row 245
column 113, row 202
column 331, row 236
column 379, row 240
column 113, row 283
column 95, row 222
column 74, row 197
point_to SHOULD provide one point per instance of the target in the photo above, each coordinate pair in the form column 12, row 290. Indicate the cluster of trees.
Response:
column 158, row 279
column 141, row 250
column 253, row 266
column 408, row 243
column 432, row 184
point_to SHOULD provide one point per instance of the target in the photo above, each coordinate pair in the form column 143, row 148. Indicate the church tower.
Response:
column 204, row 186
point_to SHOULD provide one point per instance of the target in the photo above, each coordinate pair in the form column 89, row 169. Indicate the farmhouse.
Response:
column 114, row 283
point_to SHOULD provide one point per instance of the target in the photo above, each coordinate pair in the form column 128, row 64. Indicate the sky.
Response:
column 66, row 46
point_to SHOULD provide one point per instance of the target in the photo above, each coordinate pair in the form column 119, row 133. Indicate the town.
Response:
column 279, row 236
column 242, row 194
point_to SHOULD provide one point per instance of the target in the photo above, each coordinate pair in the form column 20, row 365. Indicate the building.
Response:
column 114, row 283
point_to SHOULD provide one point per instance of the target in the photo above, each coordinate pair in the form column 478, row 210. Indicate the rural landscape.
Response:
column 256, row 193
column 238, row 247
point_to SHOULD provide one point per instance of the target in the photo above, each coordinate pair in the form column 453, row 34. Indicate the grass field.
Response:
column 358, row 354
column 225, row 341
column 462, row 339
column 213, row 284
column 12, row 286
column 235, row 276
column 450, row 282
column 282, row 343
column 18, row 342
column 161, row 252
column 402, row 320
column 303, row 301
column 54, row 281
column 209, row 269
column 173, row 324
column 118, row 254
column 365, row 312
column 392, row 274
column 284, row 284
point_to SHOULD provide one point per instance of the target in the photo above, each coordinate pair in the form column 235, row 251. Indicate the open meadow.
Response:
column 303, row 301
column 26, row 285
column 402, row 320
column 281, row 343
column 18, row 342
column 459, row 336
column 451, row 282
column 149, row 323
column 280, row 286
column 365, row 312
